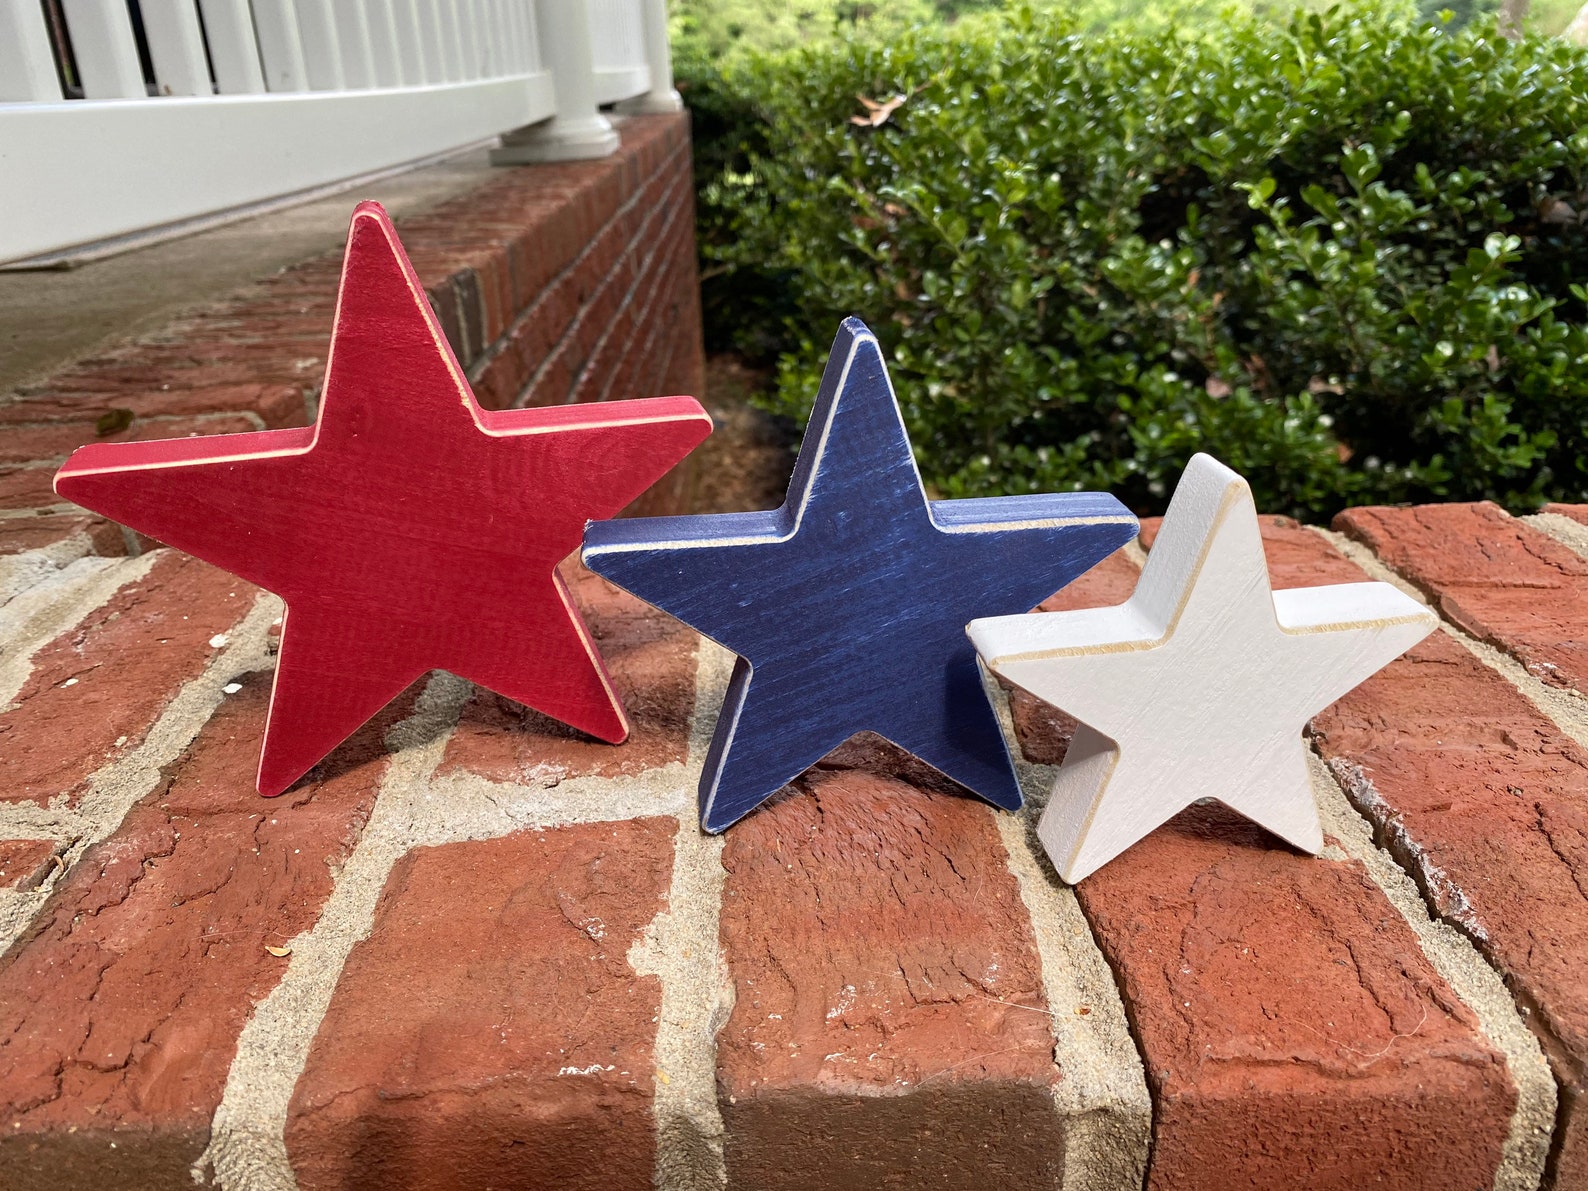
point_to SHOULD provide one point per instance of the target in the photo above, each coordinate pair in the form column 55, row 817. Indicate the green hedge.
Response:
column 1338, row 252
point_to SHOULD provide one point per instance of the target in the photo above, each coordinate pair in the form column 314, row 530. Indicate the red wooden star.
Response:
column 407, row 529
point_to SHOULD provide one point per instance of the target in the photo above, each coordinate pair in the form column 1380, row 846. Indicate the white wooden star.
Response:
column 1200, row 684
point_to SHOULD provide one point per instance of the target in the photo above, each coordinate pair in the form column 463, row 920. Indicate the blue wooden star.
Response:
column 848, row 605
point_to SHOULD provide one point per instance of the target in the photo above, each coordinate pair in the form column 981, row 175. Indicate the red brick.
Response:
column 27, row 487
column 1500, row 580
column 889, row 1027
column 95, row 691
column 25, row 862
column 276, row 405
column 1578, row 513
column 36, row 533
column 120, row 1010
column 553, row 384
column 1482, row 799
column 1486, row 803
column 1293, row 1033
column 651, row 658
column 518, row 1051
column 23, row 444
column 155, row 365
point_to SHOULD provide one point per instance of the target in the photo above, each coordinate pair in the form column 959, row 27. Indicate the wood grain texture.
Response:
column 847, row 606
column 1200, row 684
column 407, row 529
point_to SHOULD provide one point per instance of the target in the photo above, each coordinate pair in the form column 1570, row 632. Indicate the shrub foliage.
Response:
column 1339, row 252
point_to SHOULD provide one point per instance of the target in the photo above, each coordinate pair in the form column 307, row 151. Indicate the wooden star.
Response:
column 1200, row 684
column 407, row 529
column 847, row 606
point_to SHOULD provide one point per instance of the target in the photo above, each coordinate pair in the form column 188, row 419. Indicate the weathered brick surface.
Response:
column 651, row 658
column 23, row 862
column 27, row 487
column 121, row 1007
column 1500, row 580
column 889, row 1026
column 490, row 1032
column 95, row 691
column 24, row 443
column 570, row 282
column 51, row 529
column 1293, row 1033
column 1485, row 802
column 275, row 405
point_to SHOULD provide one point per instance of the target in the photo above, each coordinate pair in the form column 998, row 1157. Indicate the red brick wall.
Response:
column 554, row 283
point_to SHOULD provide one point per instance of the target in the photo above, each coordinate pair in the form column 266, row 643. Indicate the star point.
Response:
column 408, row 529
column 1199, row 685
column 847, row 606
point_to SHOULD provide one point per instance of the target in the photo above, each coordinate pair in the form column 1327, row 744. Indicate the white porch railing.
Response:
column 118, row 116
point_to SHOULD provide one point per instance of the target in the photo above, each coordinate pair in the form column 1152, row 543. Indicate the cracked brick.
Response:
column 94, row 692
column 121, row 1007
column 490, row 1032
column 1499, row 579
column 888, row 998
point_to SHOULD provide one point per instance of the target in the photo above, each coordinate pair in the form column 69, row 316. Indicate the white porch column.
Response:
column 659, row 57
column 578, row 130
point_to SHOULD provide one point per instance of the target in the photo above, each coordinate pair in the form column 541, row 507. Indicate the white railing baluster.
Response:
column 437, row 65
column 531, row 23
column 280, row 46
column 504, row 38
column 384, row 45
column 411, row 43
column 322, row 50
column 485, row 51
column 451, row 43
column 659, row 57
column 27, row 67
column 176, row 47
column 430, row 41
column 234, row 51
column 488, row 38
column 476, row 45
column 578, row 130
column 107, row 55
column 352, row 37
column 618, row 50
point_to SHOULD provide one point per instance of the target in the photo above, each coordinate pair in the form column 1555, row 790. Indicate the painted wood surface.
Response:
column 847, row 606
column 407, row 529
column 1200, row 684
